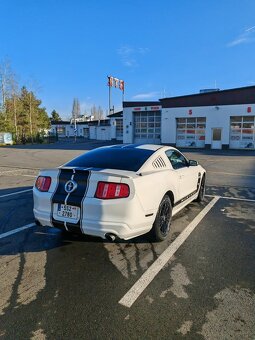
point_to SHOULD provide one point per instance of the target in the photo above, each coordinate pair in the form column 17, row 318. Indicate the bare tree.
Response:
column 76, row 111
column 97, row 112
column 5, row 75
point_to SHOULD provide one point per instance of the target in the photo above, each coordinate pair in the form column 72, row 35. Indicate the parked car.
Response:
column 119, row 191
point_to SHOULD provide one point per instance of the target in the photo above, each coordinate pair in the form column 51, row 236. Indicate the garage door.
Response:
column 147, row 127
column 190, row 132
column 242, row 132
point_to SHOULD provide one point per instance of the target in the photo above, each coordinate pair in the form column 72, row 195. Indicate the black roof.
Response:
column 116, row 114
column 241, row 95
column 102, row 122
column 132, row 104
column 118, row 157
column 60, row 122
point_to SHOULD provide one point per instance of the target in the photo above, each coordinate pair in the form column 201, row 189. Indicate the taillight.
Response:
column 108, row 190
column 43, row 183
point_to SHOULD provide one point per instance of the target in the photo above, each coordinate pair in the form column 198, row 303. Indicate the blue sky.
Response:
column 66, row 48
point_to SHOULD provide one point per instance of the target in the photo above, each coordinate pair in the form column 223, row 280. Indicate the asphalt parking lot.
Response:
column 58, row 286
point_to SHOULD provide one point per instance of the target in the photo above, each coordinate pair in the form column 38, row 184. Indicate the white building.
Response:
column 218, row 120
column 106, row 129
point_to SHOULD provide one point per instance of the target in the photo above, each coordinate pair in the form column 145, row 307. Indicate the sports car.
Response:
column 119, row 191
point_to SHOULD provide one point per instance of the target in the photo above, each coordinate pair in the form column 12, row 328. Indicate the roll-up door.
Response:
column 147, row 127
column 242, row 132
column 190, row 132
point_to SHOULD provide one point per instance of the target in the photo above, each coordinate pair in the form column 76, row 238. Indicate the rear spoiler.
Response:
column 93, row 170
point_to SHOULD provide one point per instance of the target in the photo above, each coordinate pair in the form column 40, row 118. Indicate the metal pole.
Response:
column 109, row 99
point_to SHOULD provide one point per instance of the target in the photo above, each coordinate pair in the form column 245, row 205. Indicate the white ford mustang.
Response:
column 119, row 191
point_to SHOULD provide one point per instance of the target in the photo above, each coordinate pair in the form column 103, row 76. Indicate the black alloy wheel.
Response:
column 161, row 226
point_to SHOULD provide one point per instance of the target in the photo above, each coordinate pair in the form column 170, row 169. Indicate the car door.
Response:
column 186, row 175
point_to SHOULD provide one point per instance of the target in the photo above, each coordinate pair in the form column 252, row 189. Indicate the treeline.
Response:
column 20, row 110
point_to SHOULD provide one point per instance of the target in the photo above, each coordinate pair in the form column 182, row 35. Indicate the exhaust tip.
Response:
column 110, row 237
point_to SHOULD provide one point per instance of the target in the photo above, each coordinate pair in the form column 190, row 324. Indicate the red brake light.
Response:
column 107, row 190
column 43, row 183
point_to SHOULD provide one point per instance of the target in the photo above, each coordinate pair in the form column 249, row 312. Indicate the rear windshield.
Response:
column 111, row 158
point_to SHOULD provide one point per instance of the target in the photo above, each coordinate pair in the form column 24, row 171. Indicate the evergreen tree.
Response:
column 55, row 116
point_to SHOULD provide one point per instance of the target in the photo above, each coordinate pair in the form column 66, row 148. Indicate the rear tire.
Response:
column 161, row 225
column 201, row 193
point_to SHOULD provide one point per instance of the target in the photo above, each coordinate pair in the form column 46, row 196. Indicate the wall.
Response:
column 216, row 117
column 69, row 129
column 113, row 128
column 93, row 132
column 103, row 132
column 128, row 125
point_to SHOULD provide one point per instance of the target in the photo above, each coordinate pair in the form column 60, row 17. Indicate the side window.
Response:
column 177, row 160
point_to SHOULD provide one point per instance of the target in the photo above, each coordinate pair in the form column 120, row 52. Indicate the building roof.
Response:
column 241, row 95
column 60, row 122
column 132, row 104
column 116, row 114
column 102, row 122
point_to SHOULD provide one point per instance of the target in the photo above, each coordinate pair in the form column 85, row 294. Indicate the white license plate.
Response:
column 68, row 211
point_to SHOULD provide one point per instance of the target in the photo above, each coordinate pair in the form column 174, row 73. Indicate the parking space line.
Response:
column 11, row 232
column 233, row 198
column 16, row 193
column 136, row 290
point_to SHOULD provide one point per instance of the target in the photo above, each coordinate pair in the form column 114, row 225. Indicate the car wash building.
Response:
column 210, row 119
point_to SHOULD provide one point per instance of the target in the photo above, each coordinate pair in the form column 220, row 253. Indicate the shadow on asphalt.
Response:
column 232, row 191
column 13, row 190
column 214, row 152
column 65, row 145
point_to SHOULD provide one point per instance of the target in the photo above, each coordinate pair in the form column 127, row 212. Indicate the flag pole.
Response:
column 109, row 84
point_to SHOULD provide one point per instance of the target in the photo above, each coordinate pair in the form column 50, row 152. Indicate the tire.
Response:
column 201, row 193
column 161, row 225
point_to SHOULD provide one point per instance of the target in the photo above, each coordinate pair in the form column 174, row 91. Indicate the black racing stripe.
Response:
column 60, row 194
column 185, row 198
column 81, row 177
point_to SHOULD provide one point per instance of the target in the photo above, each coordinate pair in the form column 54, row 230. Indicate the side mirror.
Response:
column 192, row 162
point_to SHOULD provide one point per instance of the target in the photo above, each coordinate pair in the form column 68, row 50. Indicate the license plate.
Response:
column 68, row 211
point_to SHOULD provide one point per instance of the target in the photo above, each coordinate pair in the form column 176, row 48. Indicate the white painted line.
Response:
column 11, row 232
column 233, row 198
column 16, row 193
column 130, row 297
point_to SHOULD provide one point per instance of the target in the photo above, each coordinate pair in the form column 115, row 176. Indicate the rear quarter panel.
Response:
column 151, row 188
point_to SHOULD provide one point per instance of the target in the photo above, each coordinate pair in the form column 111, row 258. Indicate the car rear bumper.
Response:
column 119, row 230
column 101, row 229
column 124, row 220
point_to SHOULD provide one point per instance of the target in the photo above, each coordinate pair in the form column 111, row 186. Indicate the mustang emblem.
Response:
column 70, row 186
